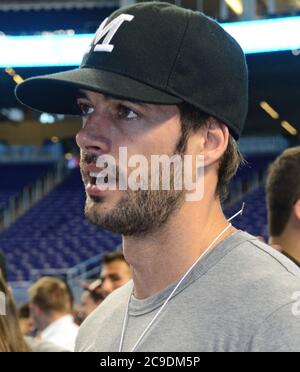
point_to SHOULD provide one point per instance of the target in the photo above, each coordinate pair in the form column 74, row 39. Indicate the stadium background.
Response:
column 42, row 227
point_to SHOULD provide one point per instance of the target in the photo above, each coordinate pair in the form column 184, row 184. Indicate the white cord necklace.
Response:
column 125, row 322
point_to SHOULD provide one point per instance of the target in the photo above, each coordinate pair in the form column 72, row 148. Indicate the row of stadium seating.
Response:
column 54, row 233
column 254, row 219
column 15, row 177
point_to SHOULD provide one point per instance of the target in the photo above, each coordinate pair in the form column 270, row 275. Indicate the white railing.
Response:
column 30, row 153
column 73, row 276
column 242, row 187
column 20, row 291
column 30, row 195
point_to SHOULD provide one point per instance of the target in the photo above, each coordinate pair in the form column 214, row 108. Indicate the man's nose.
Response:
column 91, row 138
column 107, row 286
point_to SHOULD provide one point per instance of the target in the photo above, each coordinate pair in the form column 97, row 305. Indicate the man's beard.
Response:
column 138, row 212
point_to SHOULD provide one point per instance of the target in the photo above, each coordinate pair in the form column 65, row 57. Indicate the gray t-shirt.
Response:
column 241, row 297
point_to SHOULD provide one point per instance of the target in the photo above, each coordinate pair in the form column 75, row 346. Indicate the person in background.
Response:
column 92, row 297
column 11, row 338
column 50, row 307
column 115, row 271
column 25, row 320
column 283, row 199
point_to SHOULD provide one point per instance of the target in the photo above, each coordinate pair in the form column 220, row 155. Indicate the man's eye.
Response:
column 114, row 277
column 85, row 109
column 126, row 113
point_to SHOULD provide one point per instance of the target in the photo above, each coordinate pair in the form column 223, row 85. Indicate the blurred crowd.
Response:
column 49, row 322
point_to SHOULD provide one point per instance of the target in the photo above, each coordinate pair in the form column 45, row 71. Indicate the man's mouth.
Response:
column 94, row 176
column 91, row 176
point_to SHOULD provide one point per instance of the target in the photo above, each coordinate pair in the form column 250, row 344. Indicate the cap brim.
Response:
column 56, row 93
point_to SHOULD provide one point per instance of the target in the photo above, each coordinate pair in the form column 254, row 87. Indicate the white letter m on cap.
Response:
column 110, row 31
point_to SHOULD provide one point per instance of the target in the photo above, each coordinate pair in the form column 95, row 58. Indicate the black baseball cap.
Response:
column 153, row 52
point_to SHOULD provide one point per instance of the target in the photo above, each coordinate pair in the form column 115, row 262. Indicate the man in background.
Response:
column 25, row 319
column 50, row 307
column 92, row 297
column 115, row 271
column 283, row 198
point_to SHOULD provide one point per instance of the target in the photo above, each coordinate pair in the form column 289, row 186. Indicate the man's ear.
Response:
column 297, row 210
column 216, row 135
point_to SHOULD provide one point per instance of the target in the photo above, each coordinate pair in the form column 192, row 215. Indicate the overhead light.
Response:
column 269, row 110
column 18, row 79
column 268, row 35
column 289, row 128
column 10, row 71
column 46, row 118
column 13, row 114
column 236, row 6
column 54, row 139
column 43, row 50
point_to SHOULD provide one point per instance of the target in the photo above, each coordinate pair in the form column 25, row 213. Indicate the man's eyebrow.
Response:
column 143, row 105
column 81, row 94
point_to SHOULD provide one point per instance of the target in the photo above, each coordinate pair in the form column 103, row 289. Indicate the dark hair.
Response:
column 96, row 296
column 112, row 257
column 24, row 311
column 283, row 189
column 192, row 119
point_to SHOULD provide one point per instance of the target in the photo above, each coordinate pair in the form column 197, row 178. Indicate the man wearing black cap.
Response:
column 161, row 80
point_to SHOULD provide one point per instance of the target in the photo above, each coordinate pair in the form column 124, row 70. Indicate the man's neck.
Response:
column 289, row 242
column 162, row 258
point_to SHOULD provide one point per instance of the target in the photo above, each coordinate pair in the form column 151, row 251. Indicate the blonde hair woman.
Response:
column 11, row 339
